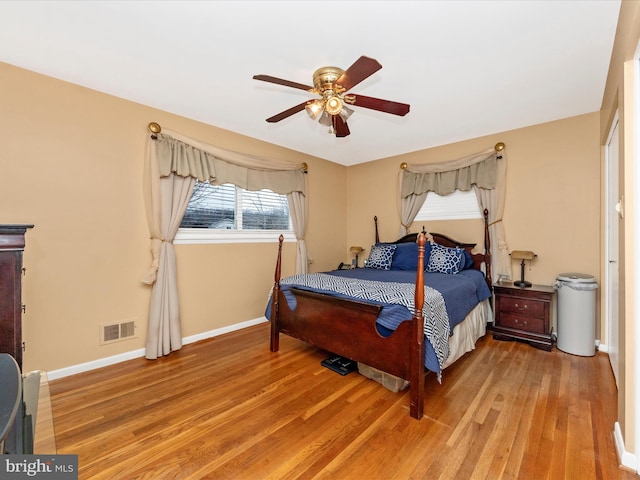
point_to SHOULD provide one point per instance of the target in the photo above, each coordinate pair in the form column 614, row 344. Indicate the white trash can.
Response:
column 576, row 313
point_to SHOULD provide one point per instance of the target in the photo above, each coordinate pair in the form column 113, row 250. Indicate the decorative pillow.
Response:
column 468, row 260
column 380, row 256
column 406, row 256
column 445, row 259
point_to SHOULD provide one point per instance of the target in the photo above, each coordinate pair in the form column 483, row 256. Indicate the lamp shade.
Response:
column 314, row 108
column 356, row 249
column 523, row 255
column 325, row 119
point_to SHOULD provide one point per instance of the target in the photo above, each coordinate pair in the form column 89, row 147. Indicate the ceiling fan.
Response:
column 332, row 84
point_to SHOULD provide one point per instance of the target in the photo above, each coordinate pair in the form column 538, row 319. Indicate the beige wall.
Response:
column 552, row 199
column 71, row 164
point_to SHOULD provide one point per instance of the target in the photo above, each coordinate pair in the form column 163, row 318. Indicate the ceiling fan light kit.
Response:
column 325, row 119
column 314, row 108
column 333, row 106
column 332, row 83
column 346, row 112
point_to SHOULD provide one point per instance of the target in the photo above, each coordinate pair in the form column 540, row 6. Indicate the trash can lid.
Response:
column 576, row 278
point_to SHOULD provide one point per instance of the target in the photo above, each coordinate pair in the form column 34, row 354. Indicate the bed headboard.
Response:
column 408, row 238
column 478, row 258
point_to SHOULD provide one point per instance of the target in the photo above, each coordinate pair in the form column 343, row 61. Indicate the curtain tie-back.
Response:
column 161, row 239
column 494, row 222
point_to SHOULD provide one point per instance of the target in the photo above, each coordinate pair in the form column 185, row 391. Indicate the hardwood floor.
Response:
column 227, row 408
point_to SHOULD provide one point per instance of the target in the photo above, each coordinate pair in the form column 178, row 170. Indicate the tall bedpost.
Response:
column 275, row 297
column 375, row 220
column 487, row 247
column 416, row 408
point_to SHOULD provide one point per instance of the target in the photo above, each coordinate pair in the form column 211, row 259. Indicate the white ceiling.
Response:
column 467, row 68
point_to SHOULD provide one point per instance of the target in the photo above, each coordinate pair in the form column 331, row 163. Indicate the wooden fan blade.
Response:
column 362, row 68
column 379, row 104
column 340, row 127
column 287, row 113
column 280, row 81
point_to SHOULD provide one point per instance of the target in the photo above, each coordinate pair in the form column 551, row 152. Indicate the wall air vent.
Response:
column 115, row 332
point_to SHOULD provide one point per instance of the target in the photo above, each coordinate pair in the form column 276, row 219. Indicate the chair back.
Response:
column 10, row 395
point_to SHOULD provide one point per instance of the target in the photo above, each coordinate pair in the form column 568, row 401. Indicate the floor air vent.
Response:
column 117, row 331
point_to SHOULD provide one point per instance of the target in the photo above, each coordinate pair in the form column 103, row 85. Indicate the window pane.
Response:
column 211, row 206
column 458, row 205
column 227, row 207
column 264, row 210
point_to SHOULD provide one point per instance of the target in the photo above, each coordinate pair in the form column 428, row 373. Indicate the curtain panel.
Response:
column 173, row 163
column 484, row 172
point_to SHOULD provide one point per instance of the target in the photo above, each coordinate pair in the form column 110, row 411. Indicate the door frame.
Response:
column 612, row 219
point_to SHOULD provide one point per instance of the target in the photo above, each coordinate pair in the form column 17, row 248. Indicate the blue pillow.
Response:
column 406, row 256
column 380, row 256
column 445, row 259
column 468, row 260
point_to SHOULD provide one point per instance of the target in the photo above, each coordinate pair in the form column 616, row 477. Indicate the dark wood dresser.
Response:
column 12, row 243
column 524, row 314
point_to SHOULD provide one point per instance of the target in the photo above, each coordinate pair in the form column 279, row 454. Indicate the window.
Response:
column 226, row 213
column 458, row 205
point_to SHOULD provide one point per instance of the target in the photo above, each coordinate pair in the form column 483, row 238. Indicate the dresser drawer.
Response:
column 522, row 322
column 525, row 306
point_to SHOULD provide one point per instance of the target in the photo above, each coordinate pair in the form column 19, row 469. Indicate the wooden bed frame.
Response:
column 348, row 327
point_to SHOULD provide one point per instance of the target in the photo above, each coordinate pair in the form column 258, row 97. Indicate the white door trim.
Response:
column 611, row 266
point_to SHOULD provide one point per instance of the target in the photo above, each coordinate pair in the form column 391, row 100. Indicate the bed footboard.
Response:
column 348, row 328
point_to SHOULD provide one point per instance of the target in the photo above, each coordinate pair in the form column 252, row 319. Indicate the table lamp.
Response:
column 522, row 255
column 357, row 251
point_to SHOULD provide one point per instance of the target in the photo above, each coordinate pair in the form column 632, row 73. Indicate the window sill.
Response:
column 192, row 236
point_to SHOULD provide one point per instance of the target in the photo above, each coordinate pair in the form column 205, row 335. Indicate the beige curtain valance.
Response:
column 446, row 177
column 189, row 158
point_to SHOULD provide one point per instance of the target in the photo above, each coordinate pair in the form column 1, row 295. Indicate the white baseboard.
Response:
column 626, row 459
column 122, row 357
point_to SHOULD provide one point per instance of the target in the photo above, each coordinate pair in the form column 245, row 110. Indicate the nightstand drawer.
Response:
column 522, row 305
column 522, row 322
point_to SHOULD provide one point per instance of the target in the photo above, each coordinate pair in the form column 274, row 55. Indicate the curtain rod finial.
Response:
column 403, row 165
column 499, row 146
column 154, row 128
column 304, row 167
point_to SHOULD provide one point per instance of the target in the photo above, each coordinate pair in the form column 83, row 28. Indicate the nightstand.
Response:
column 524, row 314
